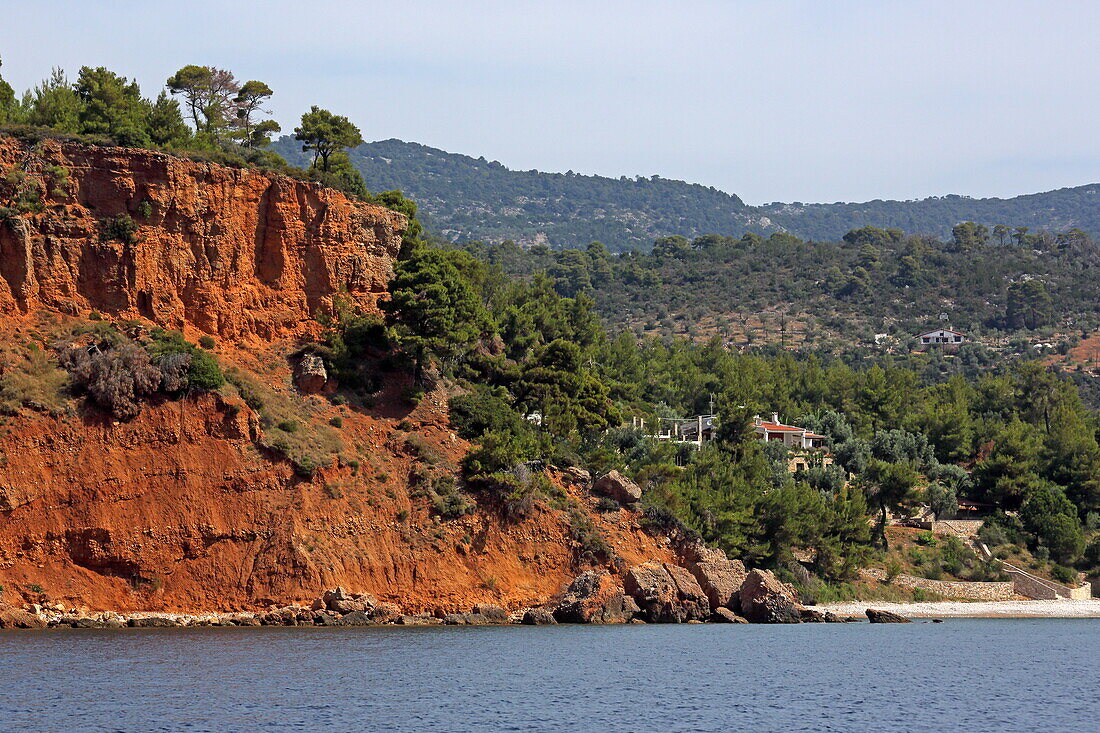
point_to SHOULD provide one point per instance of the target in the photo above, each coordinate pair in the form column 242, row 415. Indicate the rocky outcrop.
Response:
column 718, row 576
column 137, row 233
column 310, row 375
column 766, row 600
column 723, row 615
column 666, row 593
column 595, row 597
column 538, row 617
column 618, row 487
column 877, row 616
column 17, row 618
column 340, row 601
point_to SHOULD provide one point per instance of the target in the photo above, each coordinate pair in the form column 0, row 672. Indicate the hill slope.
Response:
column 472, row 198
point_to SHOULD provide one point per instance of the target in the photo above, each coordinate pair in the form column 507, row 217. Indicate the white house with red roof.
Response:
column 791, row 435
column 943, row 336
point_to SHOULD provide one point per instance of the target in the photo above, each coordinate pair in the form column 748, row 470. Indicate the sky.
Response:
column 773, row 100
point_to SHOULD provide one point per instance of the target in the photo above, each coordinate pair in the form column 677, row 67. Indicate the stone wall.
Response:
column 949, row 588
column 960, row 527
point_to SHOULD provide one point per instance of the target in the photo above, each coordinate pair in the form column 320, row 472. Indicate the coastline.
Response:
column 1062, row 608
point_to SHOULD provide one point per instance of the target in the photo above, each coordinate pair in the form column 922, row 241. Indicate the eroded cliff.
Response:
column 232, row 252
column 192, row 505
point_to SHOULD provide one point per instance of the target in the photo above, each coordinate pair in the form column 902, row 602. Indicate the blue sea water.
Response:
column 968, row 675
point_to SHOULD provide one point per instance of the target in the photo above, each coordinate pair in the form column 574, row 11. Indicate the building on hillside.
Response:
column 696, row 430
column 942, row 337
column 792, row 436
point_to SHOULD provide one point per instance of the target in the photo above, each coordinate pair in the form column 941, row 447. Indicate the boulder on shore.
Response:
column 494, row 613
column 618, row 487
column 767, row 600
column 340, row 601
column 355, row 618
column 384, row 613
column 594, row 597
column 153, row 622
column 666, row 593
column 718, row 576
column 16, row 618
column 876, row 616
column 723, row 615
column 538, row 617
column 465, row 619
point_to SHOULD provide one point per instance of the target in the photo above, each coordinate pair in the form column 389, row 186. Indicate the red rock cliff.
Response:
column 232, row 252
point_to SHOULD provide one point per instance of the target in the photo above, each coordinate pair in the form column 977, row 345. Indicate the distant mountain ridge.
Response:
column 464, row 198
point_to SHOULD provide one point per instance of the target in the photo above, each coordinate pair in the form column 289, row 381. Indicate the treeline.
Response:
column 202, row 111
column 870, row 281
column 544, row 382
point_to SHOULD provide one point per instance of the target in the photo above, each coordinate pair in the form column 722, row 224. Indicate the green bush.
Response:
column 121, row 227
column 1064, row 575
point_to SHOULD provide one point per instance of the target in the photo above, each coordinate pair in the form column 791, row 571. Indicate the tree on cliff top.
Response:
column 7, row 100
column 249, row 101
column 208, row 93
column 325, row 134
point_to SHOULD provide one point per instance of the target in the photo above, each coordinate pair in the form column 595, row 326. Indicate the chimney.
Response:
column 775, row 418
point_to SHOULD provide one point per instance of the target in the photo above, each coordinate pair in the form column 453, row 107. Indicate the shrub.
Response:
column 116, row 376
column 893, row 570
column 31, row 379
column 607, row 504
column 926, row 539
column 207, row 342
column 121, row 227
column 336, row 422
column 1064, row 575
column 422, row 450
column 592, row 546
column 287, row 426
column 145, row 210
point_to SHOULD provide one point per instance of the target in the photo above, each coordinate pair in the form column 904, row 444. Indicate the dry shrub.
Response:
column 29, row 377
column 117, row 376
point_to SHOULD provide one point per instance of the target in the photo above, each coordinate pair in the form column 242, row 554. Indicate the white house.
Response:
column 942, row 336
column 791, row 435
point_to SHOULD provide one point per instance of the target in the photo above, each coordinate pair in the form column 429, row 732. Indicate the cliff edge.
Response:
column 135, row 233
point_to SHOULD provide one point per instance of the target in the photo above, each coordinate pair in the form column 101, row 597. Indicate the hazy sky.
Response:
column 771, row 100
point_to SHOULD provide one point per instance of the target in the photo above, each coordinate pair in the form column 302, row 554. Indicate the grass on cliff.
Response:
column 30, row 377
column 292, row 425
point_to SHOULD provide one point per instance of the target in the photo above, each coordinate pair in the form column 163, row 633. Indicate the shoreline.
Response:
column 1062, row 608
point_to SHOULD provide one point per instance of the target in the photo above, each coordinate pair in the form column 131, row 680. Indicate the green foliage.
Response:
column 31, row 378
column 434, row 307
column 122, row 228
column 1051, row 516
column 324, row 134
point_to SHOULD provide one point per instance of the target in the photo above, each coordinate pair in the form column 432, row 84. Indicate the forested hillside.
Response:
column 463, row 198
column 785, row 291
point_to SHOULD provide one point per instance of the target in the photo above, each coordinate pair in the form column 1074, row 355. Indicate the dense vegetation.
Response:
column 541, row 381
column 466, row 198
column 782, row 290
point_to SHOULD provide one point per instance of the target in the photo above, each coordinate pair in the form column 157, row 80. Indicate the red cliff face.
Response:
column 187, row 507
column 231, row 252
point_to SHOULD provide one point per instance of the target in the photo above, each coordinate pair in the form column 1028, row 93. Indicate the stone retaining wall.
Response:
column 1041, row 589
column 960, row 527
column 949, row 588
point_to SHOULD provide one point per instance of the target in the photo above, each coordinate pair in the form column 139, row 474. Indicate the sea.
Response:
column 961, row 675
